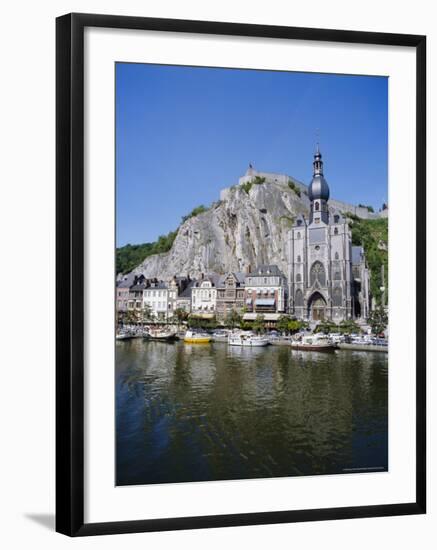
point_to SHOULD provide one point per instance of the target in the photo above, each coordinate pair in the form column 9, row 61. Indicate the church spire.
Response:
column 317, row 162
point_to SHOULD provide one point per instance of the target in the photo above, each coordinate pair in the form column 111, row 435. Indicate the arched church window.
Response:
column 337, row 276
column 298, row 278
column 336, row 256
column 336, row 218
column 299, row 259
column 298, row 235
column 336, row 231
column 316, row 205
column 298, row 299
column 336, row 297
column 317, row 273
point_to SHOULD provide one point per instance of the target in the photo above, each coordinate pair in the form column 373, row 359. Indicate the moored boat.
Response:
column 162, row 334
column 192, row 337
column 313, row 343
column 123, row 336
column 249, row 340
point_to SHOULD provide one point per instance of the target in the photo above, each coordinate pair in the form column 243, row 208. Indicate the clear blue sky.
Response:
column 184, row 133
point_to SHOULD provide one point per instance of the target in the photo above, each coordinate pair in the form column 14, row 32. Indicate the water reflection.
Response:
column 192, row 413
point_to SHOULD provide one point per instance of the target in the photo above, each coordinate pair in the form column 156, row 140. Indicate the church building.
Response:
column 328, row 278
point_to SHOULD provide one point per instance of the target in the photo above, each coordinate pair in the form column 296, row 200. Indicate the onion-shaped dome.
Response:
column 319, row 188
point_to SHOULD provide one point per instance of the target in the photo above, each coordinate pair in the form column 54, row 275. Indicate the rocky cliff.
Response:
column 249, row 227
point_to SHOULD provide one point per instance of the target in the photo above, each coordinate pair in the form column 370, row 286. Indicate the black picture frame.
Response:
column 70, row 273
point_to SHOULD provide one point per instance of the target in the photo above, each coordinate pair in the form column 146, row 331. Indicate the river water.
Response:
column 216, row 412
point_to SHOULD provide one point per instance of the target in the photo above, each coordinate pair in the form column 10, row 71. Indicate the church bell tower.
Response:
column 318, row 192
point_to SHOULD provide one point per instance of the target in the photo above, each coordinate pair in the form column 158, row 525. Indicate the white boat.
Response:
column 313, row 342
column 249, row 340
column 162, row 334
column 123, row 336
column 220, row 336
column 361, row 340
column 336, row 337
column 192, row 337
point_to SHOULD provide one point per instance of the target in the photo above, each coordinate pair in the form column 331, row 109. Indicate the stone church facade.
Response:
column 328, row 278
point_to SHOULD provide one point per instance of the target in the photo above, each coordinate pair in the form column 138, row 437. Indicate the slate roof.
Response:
column 214, row 278
column 141, row 286
column 127, row 281
column 241, row 277
column 158, row 285
column 187, row 292
column 263, row 269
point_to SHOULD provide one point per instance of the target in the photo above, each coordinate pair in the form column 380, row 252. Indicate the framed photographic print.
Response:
column 240, row 274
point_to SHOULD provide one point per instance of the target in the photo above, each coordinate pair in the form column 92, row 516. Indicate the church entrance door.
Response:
column 317, row 307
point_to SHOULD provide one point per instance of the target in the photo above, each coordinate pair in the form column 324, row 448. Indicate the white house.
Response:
column 204, row 295
column 160, row 298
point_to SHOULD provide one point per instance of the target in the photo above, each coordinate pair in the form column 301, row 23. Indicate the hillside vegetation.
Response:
column 373, row 236
column 129, row 256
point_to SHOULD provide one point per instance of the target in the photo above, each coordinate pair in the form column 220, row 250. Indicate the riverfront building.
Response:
column 122, row 292
column 266, row 289
column 204, row 295
column 327, row 276
column 230, row 294
column 136, row 294
column 156, row 299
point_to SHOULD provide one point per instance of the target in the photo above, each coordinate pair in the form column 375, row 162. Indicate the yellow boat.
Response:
column 196, row 337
